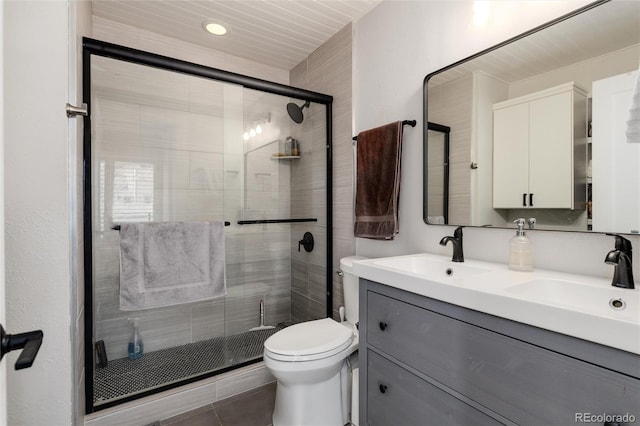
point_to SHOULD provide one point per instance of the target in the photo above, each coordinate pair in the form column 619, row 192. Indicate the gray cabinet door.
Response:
column 524, row 383
column 398, row 397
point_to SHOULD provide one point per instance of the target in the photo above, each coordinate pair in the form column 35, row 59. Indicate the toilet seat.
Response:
column 309, row 341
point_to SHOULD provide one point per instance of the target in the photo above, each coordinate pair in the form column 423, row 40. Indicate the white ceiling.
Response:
column 280, row 33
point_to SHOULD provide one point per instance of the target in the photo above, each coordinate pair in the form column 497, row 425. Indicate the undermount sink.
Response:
column 429, row 268
column 579, row 296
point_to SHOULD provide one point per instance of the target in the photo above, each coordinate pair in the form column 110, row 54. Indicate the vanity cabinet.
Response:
column 423, row 362
column 539, row 150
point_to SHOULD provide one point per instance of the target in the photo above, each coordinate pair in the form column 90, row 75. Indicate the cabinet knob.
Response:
column 382, row 325
column 383, row 388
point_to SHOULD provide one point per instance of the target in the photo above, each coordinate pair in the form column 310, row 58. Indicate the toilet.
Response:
column 310, row 361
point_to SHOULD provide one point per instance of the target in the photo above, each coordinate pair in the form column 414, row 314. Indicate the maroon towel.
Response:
column 378, row 182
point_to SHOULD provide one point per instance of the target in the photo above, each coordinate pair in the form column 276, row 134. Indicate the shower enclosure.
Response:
column 171, row 141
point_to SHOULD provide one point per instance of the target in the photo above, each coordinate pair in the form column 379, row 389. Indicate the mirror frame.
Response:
column 425, row 115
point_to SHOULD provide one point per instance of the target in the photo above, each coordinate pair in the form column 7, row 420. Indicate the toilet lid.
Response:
column 309, row 338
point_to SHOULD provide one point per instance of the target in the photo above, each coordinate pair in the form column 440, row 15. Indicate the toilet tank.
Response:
column 350, row 283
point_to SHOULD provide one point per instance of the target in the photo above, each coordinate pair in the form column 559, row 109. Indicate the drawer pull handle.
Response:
column 383, row 388
column 382, row 325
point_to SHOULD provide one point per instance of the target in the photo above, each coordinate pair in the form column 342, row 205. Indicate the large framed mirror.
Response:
column 538, row 128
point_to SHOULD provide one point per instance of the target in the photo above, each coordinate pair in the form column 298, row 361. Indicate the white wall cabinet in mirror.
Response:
column 535, row 140
column 594, row 43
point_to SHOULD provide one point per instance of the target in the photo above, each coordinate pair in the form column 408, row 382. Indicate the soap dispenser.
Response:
column 520, row 250
column 136, row 347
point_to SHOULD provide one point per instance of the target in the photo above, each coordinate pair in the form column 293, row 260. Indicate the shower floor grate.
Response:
column 123, row 377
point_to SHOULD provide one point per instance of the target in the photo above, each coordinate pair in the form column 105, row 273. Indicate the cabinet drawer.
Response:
column 524, row 383
column 398, row 397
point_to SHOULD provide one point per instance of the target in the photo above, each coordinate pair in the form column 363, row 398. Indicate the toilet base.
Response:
column 320, row 404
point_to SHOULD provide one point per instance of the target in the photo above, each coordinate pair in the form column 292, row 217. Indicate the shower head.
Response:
column 295, row 111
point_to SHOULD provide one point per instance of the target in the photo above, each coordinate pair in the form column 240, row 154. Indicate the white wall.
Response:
column 37, row 212
column 79, row 26
column 3, row 366
column 421, row 37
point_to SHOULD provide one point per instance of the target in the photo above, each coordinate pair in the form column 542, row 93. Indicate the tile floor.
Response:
column 252, row 408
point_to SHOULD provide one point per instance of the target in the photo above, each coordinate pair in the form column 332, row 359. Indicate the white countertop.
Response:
column 570, row 304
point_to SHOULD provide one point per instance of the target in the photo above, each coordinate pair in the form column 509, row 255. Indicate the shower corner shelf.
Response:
column 284, row 157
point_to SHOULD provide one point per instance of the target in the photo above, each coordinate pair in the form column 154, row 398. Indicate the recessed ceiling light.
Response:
column 481, row 13
column 214, row 27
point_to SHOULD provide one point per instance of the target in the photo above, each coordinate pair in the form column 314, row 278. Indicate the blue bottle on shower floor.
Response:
column 136, row 346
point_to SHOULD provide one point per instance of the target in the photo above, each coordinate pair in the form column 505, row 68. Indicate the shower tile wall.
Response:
column 260, row 257
column 172, row 123
column 308, row 200
column 327, row 70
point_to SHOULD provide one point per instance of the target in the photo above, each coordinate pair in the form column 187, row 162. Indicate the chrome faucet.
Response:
column 456, row 240
column 621, row 258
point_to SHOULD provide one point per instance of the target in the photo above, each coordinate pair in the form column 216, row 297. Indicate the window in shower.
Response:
column 132, row 192
column 192, row 146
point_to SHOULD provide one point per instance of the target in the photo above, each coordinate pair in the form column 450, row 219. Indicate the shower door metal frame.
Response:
column 446, row 132
column 122, row 53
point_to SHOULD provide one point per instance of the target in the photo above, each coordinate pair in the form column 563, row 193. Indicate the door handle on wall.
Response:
column 30, row 343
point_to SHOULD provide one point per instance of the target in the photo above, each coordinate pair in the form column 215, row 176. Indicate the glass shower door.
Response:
column 162, row 144
column 170, row 147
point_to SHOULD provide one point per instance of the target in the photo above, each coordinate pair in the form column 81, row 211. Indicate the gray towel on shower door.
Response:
column 168, row 263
